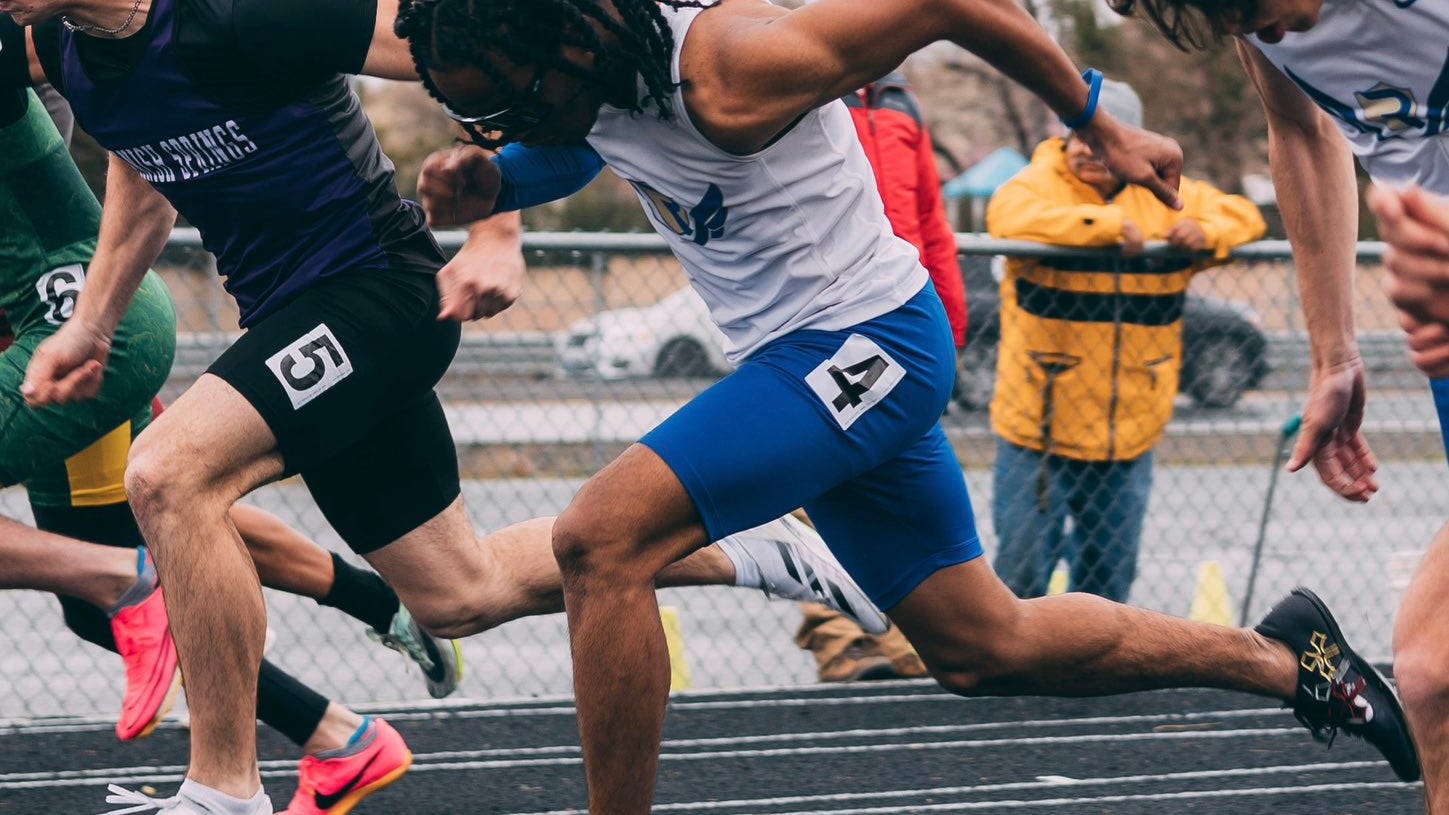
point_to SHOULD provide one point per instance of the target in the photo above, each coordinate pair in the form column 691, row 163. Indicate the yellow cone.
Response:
column 673, row 635
column 1210, row 602
column 1058, row 584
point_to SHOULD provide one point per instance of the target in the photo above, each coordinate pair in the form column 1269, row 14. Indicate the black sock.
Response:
column 361, row 594
column 290, row 707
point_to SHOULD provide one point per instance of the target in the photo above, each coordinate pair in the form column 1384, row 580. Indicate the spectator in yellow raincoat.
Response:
column 1090, row 355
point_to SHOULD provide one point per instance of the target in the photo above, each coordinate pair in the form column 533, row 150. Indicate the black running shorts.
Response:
column 343, row 375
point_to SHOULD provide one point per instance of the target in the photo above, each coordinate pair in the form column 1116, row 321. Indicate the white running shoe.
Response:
column 792, row 561
column 179, row 804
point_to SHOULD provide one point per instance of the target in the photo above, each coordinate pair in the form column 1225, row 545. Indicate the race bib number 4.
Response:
column 855, row 379
column 311, row 365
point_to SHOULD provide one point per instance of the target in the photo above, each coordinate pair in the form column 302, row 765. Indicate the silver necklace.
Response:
column 72, row 25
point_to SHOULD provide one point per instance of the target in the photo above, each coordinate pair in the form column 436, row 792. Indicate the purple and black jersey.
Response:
column 253, row 134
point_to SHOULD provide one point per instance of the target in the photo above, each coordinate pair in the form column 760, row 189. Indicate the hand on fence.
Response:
column 67, row 367
column 1416, row 226
column 1332, row 436
column 1188, row 234
column 1133, row 240
column 458, row 185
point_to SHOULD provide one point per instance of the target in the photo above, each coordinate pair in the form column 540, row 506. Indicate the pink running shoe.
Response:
column 143, row 637
column 333, row 786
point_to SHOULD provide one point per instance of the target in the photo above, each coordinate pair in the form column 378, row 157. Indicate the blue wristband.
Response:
column 537, row 175
column 1093, row 78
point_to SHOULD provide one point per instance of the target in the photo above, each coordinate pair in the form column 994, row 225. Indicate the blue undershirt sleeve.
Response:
column 537, row 175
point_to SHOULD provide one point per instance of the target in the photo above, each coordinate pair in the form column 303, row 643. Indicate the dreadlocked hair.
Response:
column 456, row 33
column 1190, row 24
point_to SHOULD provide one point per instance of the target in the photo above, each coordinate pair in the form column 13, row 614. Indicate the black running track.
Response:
column 901, row 747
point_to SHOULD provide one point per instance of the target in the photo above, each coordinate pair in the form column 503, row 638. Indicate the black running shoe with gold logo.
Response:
column 1337, row 689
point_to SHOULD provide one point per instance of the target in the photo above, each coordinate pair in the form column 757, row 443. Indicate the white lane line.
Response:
column 1107, row 799
column 880, row 732
column 859, row 797
column 536, row 705
column 567, row 755
column 81, row 725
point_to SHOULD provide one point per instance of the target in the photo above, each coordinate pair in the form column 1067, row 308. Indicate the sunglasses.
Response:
column 527, row 111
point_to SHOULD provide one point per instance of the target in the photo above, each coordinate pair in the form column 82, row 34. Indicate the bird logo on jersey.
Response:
column 1387, row 111
column 700, row 223
column 1392, row 107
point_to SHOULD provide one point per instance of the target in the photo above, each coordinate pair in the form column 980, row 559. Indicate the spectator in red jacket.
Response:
column 888, row 120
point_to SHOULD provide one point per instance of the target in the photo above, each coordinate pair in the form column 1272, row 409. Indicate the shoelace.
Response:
column 1341, row 708
column 140, row 802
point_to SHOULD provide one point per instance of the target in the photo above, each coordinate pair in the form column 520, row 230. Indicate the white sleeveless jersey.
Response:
column 1380, row 68
column 794, row 236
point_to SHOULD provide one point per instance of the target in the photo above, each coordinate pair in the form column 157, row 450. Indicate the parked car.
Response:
column 672, row 338
column 1224, row 351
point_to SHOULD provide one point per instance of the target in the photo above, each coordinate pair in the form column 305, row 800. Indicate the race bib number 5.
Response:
column 855, row 379
column 311, row 365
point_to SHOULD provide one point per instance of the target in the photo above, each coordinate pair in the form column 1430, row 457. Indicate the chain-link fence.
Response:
column 607, row 340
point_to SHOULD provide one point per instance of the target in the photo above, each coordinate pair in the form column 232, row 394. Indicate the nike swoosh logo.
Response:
column 1405, row 3
column 326, row 802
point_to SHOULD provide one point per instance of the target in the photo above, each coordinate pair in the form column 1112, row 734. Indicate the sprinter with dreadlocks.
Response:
column 237, row 114
column 725, row 122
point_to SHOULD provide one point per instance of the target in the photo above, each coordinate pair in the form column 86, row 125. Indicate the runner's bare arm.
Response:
column 388, row 58
column 136, row 222
column 756, row 68
column 1318, row 196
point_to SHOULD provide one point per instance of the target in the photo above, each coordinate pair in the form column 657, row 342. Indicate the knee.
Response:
column 965, row 671
column 163, row 485
column 452, row 618
column 973, row 663
column 154, row 480
column 1419, row 659
column 461, row 603
column 589, row 547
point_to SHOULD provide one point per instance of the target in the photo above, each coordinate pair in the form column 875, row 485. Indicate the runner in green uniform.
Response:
column 52, row 220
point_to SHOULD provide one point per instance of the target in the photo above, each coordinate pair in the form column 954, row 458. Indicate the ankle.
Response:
column 229, row 797
column 134, row 580
column 336, row 730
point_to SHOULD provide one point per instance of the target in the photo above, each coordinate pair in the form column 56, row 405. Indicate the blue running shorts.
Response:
column 847, row 425
column 1440, row 389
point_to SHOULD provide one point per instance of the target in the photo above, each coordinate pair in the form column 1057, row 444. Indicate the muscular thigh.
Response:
column 325, row 369
column 845, row 424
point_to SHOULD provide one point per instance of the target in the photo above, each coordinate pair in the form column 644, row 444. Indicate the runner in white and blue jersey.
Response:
column 1342, row 79
column 724, row 118
column 238, row 115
